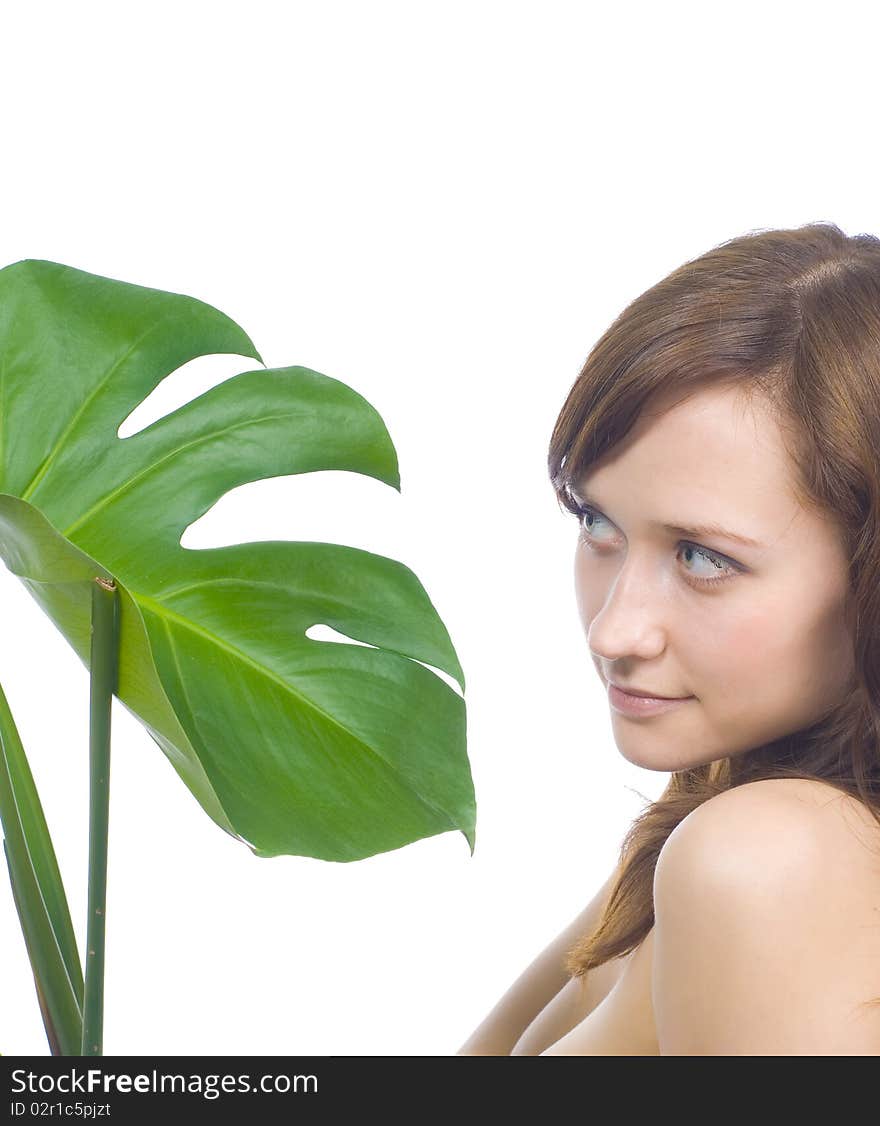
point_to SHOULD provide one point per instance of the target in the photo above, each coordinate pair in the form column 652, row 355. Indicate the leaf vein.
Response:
column 114, row 494
column 75, row 417
column 168, row 616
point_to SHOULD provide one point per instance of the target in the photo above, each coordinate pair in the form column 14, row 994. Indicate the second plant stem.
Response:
column 104, row 666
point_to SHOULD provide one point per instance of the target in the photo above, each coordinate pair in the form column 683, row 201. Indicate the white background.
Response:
column 442, row 205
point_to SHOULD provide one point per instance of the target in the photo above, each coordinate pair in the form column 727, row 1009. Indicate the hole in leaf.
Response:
column 180, row 386
column 321, row 632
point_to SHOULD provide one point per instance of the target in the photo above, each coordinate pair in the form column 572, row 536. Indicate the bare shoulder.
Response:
column 767, row 924
column 793, row 818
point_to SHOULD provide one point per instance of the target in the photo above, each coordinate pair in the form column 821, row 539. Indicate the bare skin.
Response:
column 760, row 653
column 765, row 939
column 756, row 655
column 542, row 1000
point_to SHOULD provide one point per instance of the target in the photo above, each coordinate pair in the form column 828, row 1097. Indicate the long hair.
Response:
column 792, row 315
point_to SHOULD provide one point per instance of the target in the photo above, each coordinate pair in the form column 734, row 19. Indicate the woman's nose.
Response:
column 631, row 615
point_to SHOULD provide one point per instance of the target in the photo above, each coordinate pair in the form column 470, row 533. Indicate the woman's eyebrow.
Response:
column 680, row 529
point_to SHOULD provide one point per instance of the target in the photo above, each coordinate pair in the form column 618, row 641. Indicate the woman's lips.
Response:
column 630, row 705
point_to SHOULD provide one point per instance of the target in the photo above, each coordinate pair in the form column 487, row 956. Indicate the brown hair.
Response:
column 795, row 316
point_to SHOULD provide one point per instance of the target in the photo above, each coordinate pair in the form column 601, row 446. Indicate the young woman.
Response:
column 721, row 452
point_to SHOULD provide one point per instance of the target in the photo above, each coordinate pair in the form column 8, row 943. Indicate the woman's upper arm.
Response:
column 766, row 941
column 536, row 986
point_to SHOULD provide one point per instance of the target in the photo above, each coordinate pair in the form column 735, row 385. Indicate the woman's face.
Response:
column 759, row 653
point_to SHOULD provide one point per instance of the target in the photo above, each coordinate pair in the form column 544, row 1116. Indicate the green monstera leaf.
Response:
column 293, row 745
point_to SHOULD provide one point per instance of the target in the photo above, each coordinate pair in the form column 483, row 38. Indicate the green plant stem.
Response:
column 104, row 667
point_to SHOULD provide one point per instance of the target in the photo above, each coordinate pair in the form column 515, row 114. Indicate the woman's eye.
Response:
column 590, row 520
column 711, row 568
column 715, row 568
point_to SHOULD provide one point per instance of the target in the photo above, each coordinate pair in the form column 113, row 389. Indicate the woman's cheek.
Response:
column 741, row 650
